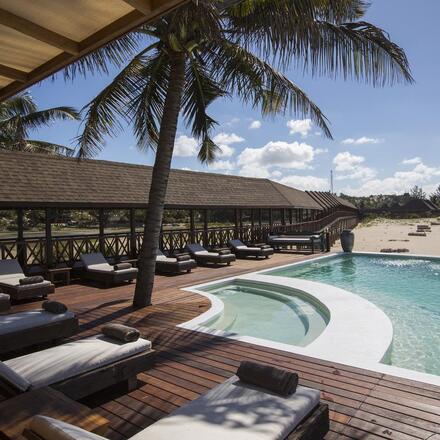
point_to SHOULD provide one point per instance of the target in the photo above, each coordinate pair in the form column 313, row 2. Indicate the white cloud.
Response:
column 277, row 154
column 252, row 170
column 185, row 146
column 232, row 121
column 400, row 182
column 224, row 141
column 311, row 183
column 222, row 165
column 301, row 126
column 413, row 161
column 346, row 161
column 254, row 125
column 350, row 167
column 362, row 141
column 321, row 150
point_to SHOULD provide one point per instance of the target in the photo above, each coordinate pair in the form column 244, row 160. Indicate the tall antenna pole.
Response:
column 331, row 182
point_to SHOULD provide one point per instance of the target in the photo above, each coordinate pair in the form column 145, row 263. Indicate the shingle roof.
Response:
column 328, row 200
column 39, row 180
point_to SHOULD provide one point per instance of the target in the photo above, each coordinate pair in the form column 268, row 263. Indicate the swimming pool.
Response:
column 272, row 313
column 406, row 288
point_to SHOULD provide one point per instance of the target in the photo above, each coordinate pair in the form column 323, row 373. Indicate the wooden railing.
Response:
column 32, row 251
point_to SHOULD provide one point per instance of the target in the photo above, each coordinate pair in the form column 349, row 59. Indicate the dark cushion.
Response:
column 183, row 257
column 121, row 332
column 224, row 252
column 122, row 266
column 31, row 280
column 273, row 379
column 54, row 307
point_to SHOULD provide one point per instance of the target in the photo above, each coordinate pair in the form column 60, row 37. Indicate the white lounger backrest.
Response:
column 10, row 269
column 95, row 261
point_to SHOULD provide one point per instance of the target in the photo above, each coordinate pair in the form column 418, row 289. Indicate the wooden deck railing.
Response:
column 32, row 251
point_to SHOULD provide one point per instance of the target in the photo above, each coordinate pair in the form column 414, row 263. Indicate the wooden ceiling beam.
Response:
column 38, row 32
column 9, row 72
column 143, row 6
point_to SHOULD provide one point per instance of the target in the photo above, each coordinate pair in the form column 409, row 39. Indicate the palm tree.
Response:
column 206, row 50
column 20, row 115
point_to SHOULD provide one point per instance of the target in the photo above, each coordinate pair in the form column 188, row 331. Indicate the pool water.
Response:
column 274, row 313
column 407, row 289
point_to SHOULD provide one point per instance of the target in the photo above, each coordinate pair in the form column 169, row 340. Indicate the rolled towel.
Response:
column 121, row 332
column 273, row 379
column 54, row 307
column 224, row 252
column 31, row 280
column 184, row 257
column 122, row 266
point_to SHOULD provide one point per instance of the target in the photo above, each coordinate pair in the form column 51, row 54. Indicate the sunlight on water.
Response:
column 407, row 289
column 276, row 316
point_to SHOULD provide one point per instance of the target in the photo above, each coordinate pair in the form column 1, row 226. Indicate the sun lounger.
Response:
column 25, row 329
column 78, row 368
column 202, row 256
column 182, row 263
column 232, row 411
column 242, row 251
column 310, row 241
column 11, row 278
column 97, row 269
column 5, row 302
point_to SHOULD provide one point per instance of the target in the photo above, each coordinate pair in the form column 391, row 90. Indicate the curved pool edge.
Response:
column 342, row 356
column 337, row 342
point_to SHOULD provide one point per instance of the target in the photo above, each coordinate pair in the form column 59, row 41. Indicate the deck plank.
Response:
column 363, row 404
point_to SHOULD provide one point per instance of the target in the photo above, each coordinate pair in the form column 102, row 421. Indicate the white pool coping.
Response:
column 363, row 348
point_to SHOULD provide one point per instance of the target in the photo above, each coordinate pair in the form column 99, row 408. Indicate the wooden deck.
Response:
column 364, row 405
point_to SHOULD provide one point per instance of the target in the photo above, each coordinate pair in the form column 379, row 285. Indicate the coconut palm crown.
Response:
column 207, row 50
column 20, row 115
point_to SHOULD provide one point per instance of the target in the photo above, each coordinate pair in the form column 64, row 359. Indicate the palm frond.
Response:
column 36, row 146
column 146, row 109
column 104, row 113
column 321, row 36
column 18, row 105
column 115, row 53
column 259, row 84
column 200, row 91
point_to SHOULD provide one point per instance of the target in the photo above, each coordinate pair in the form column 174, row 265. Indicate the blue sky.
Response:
column 385, row 139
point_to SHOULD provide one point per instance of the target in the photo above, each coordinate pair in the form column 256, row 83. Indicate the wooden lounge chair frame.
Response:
column 108, row 278
column 261, row 252
column 314, row 427
column 51, row 332
column 90, row 382
column 285, row 241
column 204, row 259
column 175, row 267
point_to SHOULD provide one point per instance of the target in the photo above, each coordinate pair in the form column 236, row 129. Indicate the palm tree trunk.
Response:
column 159, row 183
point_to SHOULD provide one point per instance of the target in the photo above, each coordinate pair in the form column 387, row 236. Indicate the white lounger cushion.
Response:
column 11, row 377
column 211, row 254
column 165, row 258
column 52, row 429
column 59, row 363
column 15, row 282
column 15, row 322
column 96, row 261
column 247, row 248
column 235, row 411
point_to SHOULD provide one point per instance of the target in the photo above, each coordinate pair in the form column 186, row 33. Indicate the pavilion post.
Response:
column 283, row 216
column 237, row 224
column 205, row 227
column 48, row 227
column 270, row 219
column 133, row 250
column 291, row 216
column 101, row 231
column 21, row 245
column 192, row 227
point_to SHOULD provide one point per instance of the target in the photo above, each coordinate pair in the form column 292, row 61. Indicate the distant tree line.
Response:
column 390, row 201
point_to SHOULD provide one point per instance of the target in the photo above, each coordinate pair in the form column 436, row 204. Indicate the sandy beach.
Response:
column 372, row 236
